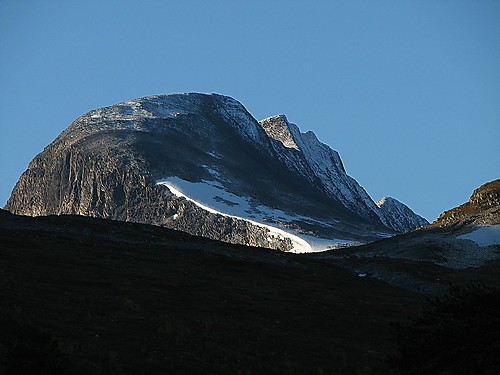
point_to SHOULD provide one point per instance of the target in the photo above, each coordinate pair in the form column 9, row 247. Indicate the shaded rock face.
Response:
column 107, row 163
column 483, row 208
column 94, row 182
column 400, row 216
column 305, row 154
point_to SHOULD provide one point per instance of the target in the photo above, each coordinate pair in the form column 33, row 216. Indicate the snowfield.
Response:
column 487, row 235
column 210, row 196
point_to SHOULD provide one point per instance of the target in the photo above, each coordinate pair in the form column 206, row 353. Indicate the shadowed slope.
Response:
column 111, row 297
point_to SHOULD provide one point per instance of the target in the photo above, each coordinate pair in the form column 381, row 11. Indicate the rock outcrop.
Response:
column 483, row 208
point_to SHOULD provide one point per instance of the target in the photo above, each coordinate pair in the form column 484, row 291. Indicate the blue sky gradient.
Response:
column 408, row 92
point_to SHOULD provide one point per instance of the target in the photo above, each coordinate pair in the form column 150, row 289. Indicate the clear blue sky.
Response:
column 408, row 92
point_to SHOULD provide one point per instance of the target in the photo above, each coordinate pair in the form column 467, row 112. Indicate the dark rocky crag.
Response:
column 107, row 163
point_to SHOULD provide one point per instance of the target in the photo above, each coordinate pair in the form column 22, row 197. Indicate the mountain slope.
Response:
column 109, row 163
column 466, row 238
column 304, row 153
column 399, row 216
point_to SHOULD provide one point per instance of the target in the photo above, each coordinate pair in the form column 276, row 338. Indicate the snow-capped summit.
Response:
column 203, row 164
column 142, row 113
column 399, row 216
column 323, row 167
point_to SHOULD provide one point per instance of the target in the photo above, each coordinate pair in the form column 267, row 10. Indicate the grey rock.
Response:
column 399, row 216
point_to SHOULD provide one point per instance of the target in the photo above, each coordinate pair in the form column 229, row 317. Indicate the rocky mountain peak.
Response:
column 399, row 215
column 386, row 201
column 278, row 128
column 152, row 113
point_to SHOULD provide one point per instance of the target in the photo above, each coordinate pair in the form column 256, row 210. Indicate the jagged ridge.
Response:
column 399, row 215
column 316, row 160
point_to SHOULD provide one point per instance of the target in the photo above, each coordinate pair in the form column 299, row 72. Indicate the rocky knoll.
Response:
column 483, row 208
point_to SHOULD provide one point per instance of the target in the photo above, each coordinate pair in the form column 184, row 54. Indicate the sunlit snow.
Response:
column 211, row 196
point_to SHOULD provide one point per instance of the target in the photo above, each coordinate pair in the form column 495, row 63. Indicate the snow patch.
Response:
column 483, row 236
column 211, row 196
column 299, row 245
column 156, row 106
column 214, row 155
column 213, row 172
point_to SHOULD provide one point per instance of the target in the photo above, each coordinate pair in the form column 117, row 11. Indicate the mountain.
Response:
column 306, row 155
column 399, row 216
column 200, row 163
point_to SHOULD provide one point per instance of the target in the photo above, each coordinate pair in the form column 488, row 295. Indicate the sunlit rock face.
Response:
column 483, row 208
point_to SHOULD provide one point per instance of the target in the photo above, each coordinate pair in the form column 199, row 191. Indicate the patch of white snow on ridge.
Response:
column 299, row 245
column 210, row 196
column 213, row 195
column 156, row 106
column 487, row 235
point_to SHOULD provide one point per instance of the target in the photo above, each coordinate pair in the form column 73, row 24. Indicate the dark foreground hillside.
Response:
column 87, row 296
